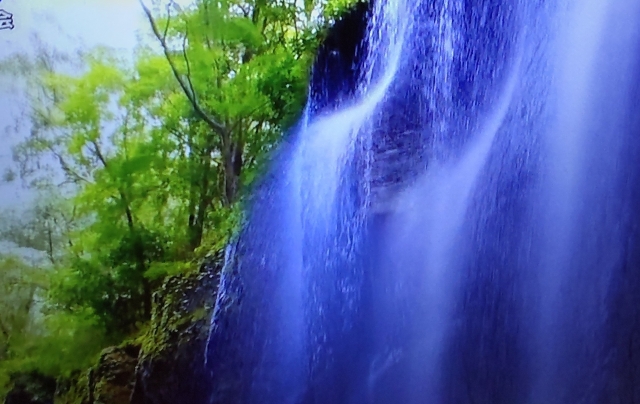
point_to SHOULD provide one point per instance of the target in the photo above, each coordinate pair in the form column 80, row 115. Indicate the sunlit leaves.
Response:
column 334, row 8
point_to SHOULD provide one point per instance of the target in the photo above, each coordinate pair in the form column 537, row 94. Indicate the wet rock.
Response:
column 338, row 64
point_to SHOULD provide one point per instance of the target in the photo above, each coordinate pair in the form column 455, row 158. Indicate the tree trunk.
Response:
column 232, row 171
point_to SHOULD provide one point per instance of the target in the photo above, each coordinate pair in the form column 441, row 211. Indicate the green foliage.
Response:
column 63, row 343
column 143, row 168
column 34, row 338
column 335, row 8
column 67, row 341
column 19, row 283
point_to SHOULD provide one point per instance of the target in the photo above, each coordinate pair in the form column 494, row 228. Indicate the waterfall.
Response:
column 454, row 220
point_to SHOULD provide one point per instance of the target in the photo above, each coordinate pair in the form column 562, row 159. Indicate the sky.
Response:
column 69, row 25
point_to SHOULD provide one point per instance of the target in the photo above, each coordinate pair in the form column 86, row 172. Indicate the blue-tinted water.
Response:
column 455, row 220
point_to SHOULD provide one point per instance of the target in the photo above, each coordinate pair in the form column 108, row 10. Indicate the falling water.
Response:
column 457, row 223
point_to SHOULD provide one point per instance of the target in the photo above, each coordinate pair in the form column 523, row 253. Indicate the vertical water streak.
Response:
column 425, row 239
column 327, row 221
column 565, row 165
column 444, row 45
column 582, row 228
column 387, row 28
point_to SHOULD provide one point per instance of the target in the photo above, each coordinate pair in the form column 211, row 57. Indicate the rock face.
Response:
column 114, row 375
column 171, row 366
column 338, row 62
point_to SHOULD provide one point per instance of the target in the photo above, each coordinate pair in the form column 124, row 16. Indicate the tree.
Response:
column 18, row 285
column 242, row 66
column 149, row 162
column 45, row 227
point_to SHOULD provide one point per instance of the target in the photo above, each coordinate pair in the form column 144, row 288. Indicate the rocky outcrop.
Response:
column 115, row 374
column 171, row 366
column 164, row 366
column 109, row 382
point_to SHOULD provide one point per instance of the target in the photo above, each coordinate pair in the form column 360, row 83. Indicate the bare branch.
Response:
column 96, row 149
column 213, row 123
column 186, row 60
column 66, row 167
column 183, row 139
column 166, row 27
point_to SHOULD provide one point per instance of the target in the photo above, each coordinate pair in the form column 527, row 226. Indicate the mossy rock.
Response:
column 109, row 382
column 171, row 368
column 162, row 365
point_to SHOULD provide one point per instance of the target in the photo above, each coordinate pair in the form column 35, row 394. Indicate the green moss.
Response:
column 173, row 314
